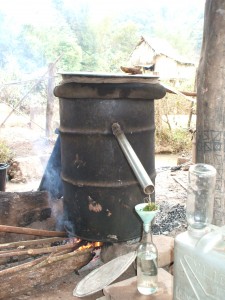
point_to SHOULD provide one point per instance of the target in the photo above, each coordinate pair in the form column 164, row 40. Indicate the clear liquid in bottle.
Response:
column 147, row 254
column 147, row 273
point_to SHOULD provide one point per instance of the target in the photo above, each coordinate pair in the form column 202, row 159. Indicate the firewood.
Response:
column 34, row 275
column 31, row 242
column 34, row 252
column 31, row 231
column 57, row 258
column 22, row 267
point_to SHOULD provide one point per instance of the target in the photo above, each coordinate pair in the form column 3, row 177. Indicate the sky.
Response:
column 41, row 12
column 25, row 11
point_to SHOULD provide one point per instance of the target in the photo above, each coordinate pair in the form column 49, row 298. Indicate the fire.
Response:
column 90, row 245
column 98, row 244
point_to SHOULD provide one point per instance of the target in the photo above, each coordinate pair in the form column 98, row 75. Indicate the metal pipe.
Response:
column 137, row 167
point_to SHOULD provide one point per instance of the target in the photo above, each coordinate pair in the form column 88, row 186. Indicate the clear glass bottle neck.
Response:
column 147, row 233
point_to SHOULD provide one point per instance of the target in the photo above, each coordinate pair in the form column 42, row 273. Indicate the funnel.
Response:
column 146, row 216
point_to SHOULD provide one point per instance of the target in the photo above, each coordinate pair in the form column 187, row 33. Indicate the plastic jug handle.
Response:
column 210, row 240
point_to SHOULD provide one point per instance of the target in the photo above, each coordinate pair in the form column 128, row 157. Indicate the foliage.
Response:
column 176, row 140
column 105, row 44
column 87, row 42
column 150, row 207
column 6, row 153
column 168, row 138
column 39, row 49
column 115, row 52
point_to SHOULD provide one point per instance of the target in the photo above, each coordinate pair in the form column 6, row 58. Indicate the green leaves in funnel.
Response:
column 150, row 207
column 146, row 215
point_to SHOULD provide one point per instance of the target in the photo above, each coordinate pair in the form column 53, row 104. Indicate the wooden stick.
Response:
column 36, row 251
column 191, row 94
column 31, row 231
column 180, row 182
column 22, row 266
column 32, row 242
column 173, row 90
column 51, row 259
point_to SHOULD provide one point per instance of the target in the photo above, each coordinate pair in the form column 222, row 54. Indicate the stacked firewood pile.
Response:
column 31, row 257
column 25, row 265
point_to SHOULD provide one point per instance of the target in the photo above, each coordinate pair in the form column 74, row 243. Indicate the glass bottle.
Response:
column 147, row 263
column 200, row 197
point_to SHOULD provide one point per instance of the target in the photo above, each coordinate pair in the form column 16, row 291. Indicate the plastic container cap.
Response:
column 101, row 277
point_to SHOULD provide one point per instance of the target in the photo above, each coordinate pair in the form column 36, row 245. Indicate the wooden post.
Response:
column 210, row 135
column 50, row 99
column 192, row 104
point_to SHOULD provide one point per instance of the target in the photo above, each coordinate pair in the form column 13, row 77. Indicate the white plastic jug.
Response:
column 199, row 265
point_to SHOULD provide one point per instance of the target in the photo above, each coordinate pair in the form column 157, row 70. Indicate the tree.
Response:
column 115, row 42
column 41, row 47
column 77, row 19
column 210, row 135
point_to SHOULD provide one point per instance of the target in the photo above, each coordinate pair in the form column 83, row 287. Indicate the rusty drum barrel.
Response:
column 100, row 188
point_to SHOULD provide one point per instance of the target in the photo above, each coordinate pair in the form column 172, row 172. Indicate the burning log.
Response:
column 31, row 257
column 18, row 247
column 34, row 252
column 43, row 270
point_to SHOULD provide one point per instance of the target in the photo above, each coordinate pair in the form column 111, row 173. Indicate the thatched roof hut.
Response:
column 159, row 57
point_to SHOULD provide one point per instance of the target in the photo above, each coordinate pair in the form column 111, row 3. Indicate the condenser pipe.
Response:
column 137, row 167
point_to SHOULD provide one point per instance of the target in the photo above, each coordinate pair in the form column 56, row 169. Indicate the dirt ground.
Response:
column 32, row 150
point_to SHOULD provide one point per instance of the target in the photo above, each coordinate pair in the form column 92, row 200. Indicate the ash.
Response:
column 170, row 220
column 171, row 195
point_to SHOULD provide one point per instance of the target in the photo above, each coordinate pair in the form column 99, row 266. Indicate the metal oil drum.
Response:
column 100, row 188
